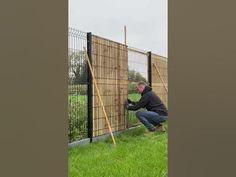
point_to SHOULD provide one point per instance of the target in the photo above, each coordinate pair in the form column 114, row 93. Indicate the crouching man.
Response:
column 156, row 111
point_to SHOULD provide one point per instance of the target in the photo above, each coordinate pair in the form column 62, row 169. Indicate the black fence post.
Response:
column 90, row 89
column 150, row 68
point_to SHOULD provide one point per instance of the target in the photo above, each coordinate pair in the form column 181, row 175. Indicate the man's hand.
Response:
column 126, row 104
column 129, row 101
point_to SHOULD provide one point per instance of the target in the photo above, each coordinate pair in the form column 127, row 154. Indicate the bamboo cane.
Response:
column 159, row 74
column 99, row 96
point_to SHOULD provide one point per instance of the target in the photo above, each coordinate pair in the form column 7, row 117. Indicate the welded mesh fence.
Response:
column 117, row 70
column 137, row 71
column 77, row 86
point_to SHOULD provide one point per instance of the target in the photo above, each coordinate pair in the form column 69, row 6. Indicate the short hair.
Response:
column 142, row 83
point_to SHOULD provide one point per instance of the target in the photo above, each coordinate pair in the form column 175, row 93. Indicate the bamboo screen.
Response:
column 157, row 85
column 110, row 65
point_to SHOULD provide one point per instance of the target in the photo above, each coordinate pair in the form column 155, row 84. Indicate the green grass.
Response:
column 135, row 155
column 77, row 98
column 134, row 96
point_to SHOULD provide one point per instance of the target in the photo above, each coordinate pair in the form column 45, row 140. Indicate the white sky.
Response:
column 146, row 21
column 138, row 62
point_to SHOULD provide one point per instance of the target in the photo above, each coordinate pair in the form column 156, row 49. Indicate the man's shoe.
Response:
column 160, row 129
column 150, row 132
column 153, row 129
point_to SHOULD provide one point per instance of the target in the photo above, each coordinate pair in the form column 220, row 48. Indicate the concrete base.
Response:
column 98, row 138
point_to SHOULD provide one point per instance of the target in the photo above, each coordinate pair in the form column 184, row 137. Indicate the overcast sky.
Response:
column 146, row 21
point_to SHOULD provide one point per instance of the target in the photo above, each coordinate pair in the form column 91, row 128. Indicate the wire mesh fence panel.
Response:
column 137, row 71
column 77, row 86
column 110, row 65
column 160, row 63
column 117, row 70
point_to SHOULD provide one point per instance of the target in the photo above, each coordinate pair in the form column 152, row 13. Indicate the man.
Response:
column 156, row 111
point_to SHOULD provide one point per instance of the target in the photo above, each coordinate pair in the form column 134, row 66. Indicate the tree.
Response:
column 139, row 77
column 80, row 74
column 136, row 76
column 77, row 68
column 131, row 75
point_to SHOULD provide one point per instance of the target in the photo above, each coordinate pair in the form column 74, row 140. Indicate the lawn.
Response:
column 136, row 154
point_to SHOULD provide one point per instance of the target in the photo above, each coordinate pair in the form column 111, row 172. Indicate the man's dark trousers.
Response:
column 150, row 119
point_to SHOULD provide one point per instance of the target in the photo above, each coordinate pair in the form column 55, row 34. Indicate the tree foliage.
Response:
column 77, row 68
column 135, row 76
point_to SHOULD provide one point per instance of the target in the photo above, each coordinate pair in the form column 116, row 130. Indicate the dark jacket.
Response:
column 150, row 101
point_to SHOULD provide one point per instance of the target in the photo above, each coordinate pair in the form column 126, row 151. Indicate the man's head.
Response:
column 141, row 86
